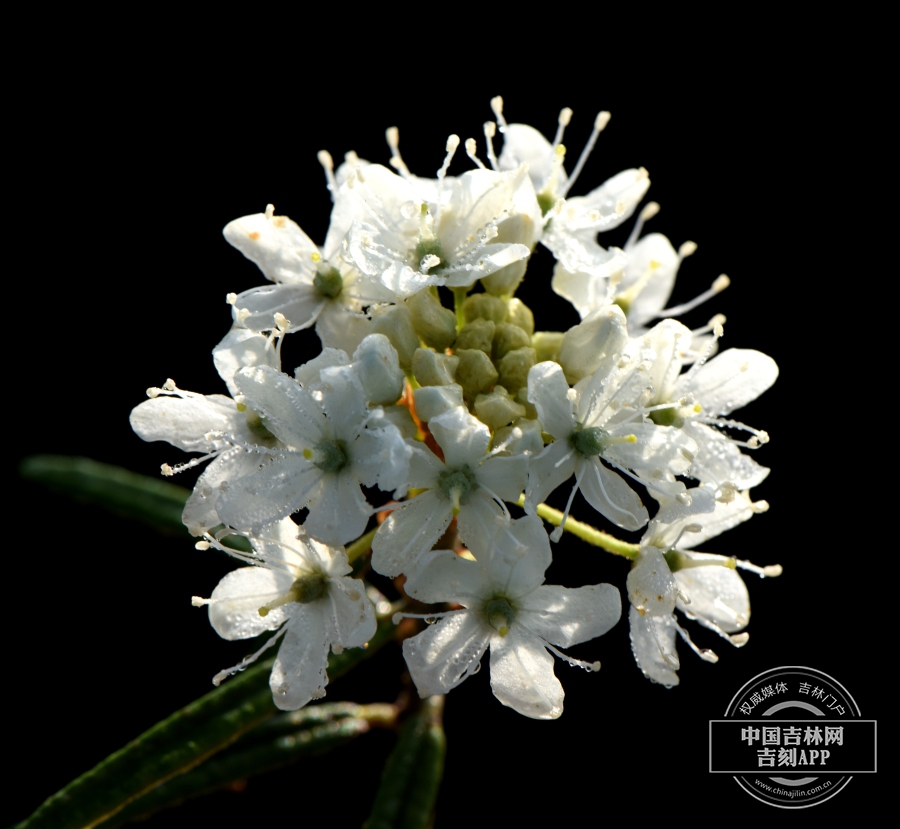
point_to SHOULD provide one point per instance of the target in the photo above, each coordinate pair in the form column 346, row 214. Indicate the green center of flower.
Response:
column 329, row 284
column 429, row 246
column 500, row 614
column 330, row 455
column 546, row 200
column 305, row 589
column 457, row 485
column 590, row 442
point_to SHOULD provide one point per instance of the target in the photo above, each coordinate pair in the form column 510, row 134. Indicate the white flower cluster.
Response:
column 457, row 412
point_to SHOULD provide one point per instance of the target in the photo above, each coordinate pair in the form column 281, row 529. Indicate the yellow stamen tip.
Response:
column 503, row 630
column 241, row 407
column 307, row 453
column 264, row 611
column 698, row 408
column 316, row 256
column 631, row 438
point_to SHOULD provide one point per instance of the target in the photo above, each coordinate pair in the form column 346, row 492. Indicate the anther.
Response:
column 471, row 147
column 565, row 116
column 270, row 208
column 199, row 601
column 687, row 249
column 327, row 163
column 231, row 298
column 201, row 545
column 490, row 130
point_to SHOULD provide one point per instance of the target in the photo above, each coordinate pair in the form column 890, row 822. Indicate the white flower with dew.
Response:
column 469, row 483
column 667, row 575
column 508, row 609
column 328, row 448
column 301, row 588
column 201, row 423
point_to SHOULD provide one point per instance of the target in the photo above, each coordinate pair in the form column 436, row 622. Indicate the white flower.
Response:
column 216, row 425
column 468, row 483
column 667, row 575
column 302, row 588
column 311, row 286
column 572, row 225
column 409, row 244
column 698, row 400
column 327, row 449
column 599, row 423
column 510, row 610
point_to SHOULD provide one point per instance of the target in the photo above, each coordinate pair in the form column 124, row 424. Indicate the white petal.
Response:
column 731, row 380
column 648, row 633
column 565, row 616
column 724, row 517
column 424, row 467
column 291, row 413
column 446, row 653
column 234, row 611
column 548, row 470
column 344, row 402
column 718, row 596
column 299, row 671
column 522, row 675
column 547, row 390
column 515, row 554
column 650, row 584
column 381, row 457
column 718, row 460
column 338, row 328
column 200, row 512
column 241, row 347
column 505, row 477
column 656, row 448
column 279, row 489
column 593, row 343
column 615, row 199
column 338, row 511
column 653, row 260
column 309, row 374
column 432, row 401
column 463, row 438
column 300, row 303
column 609, row 494
column 351, row 620
column 184, row 422
column 277, row 245
column 409, row 532
column 523, row 144
column 443, row 576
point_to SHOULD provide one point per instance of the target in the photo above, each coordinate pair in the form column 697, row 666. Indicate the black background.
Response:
column 135, row 161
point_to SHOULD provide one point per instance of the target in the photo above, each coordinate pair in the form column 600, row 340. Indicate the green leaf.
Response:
column 412, row 775
column 178, row 744
column 128, row 494
column 154, row 502
column 279, row 741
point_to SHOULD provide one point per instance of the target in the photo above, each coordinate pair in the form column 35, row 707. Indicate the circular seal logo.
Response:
column 792, row 737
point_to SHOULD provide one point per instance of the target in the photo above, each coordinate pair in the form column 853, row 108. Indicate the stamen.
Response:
column 471, row 147
column 217, row 679
column 430, row 618
column 600, row 123
column 393, row 139
column 771, row 571
column 721, row 283
column 199, row 601
column 490, row 130
column 327, row 163
column 565, row 116
column 270, row 209
column 645, row 215
column 575, row 663
column 497, row 106
column 557, row 533
column 705, row 654
column 452, row 144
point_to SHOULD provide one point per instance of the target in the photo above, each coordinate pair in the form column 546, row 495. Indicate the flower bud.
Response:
column 395, row 322
column 484, row 306
column 476, row 372
column 433, row 369
column 522, row 400
column 476, row 334
column 650, row 584
column 517, row 229
column 523, row 436
column 514, row 368
column 432, row 401
column 586, row 345
column 507, row 338
column 377, row 366
column 520, row 314
column 546, row 344
column 435, row 324
column 497, row 408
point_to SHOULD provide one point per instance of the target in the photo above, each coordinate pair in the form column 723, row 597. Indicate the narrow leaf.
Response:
column 279, row 741
column 178, row 744
column 412, row 775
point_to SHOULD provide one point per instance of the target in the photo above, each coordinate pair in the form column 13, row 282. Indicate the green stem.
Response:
column 585, row 532
column 361, row 546
column 459, row 296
